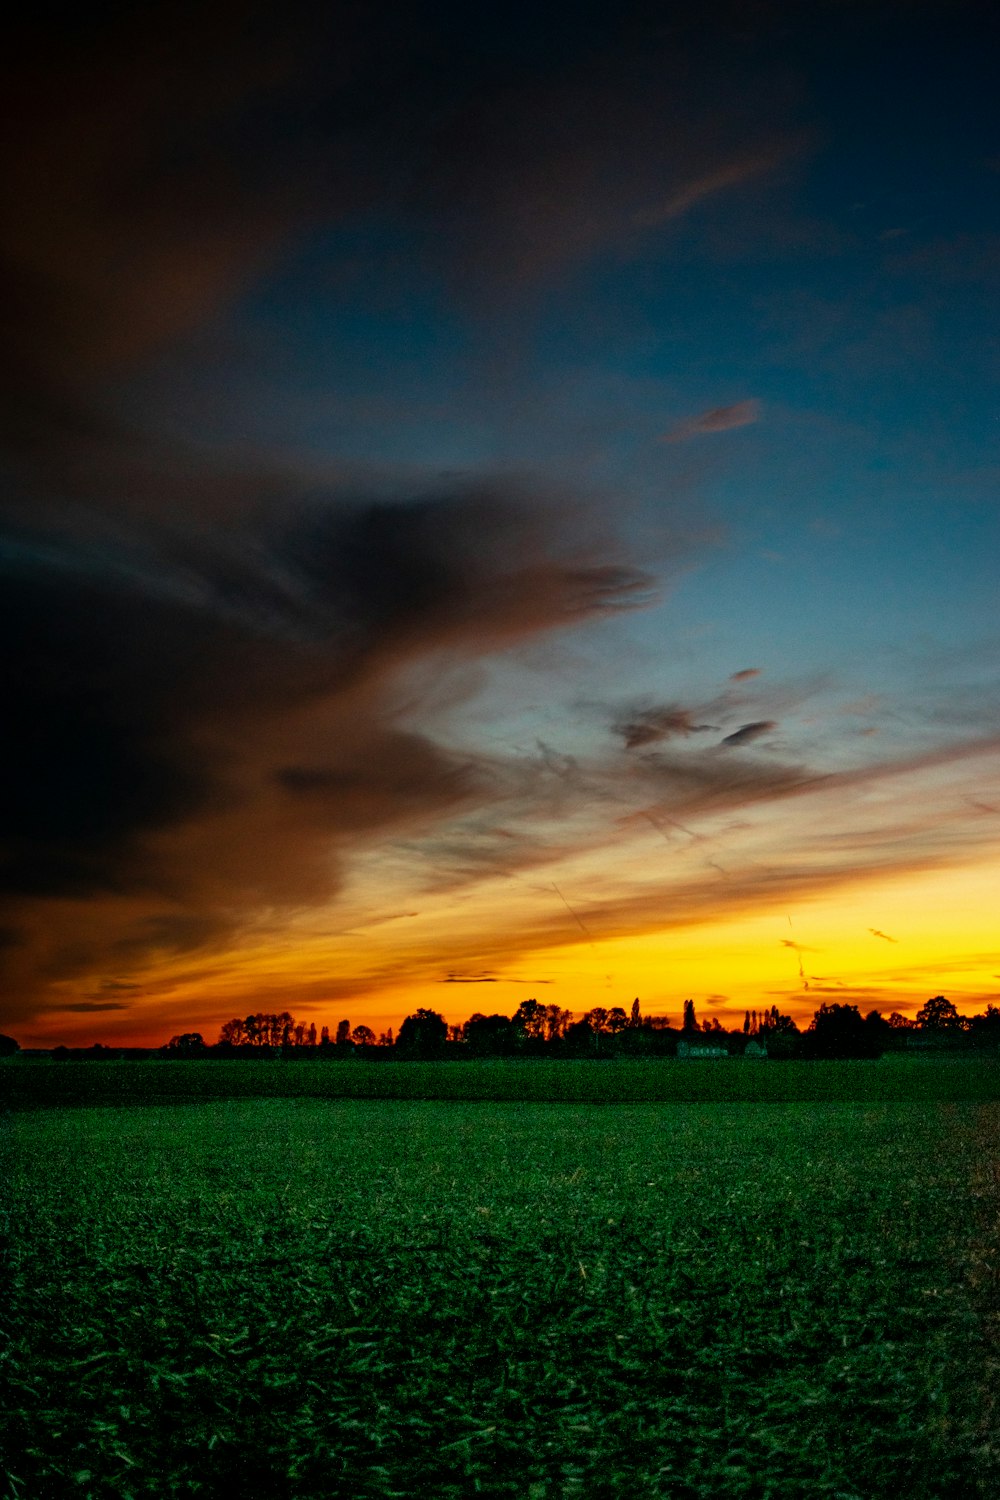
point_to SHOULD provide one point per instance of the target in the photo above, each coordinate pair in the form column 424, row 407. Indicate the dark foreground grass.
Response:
column 373, row 1298
column 894, row 1078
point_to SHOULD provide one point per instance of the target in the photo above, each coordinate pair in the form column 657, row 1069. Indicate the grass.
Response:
column 894, row 1078
column 372, row 1298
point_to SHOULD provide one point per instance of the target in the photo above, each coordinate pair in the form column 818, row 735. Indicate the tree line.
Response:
column 836, row 1029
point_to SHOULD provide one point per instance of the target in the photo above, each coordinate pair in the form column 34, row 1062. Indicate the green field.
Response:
column 892, row 1079
column 376, row 1297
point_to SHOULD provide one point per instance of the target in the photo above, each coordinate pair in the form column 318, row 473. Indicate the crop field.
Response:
column 377, row 1297
column 891, row 1079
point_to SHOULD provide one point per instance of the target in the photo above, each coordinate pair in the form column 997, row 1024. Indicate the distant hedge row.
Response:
column 969, row 1078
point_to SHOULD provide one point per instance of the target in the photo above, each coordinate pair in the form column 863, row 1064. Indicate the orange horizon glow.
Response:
column 931, row 938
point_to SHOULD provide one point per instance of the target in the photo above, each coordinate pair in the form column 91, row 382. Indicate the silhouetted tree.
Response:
column 939, row 1014
column 984, row 1028
column 581, row 1039
column 343, row 1032
column 781, row 1038
column 690, row 1022
column 8, row 1046
column 556, row 1021
column 275, row 1030
column 188, row 1044
column 490, row 1036
column 324, row 1037
column 837, row 1031
column 635, row 1019
column 529, row 1019
column 263, row 1029
column 423, row 1034
column 363, row 1036
column 597, row 1023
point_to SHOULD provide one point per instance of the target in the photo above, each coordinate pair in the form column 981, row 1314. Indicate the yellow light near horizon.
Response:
column 938, row 936
column 937, row 931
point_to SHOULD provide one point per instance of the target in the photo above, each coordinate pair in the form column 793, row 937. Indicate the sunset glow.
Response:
column 510, row 517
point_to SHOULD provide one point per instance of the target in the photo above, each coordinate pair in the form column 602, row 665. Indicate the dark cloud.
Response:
column 88, row 1007
column 168, row 933
column 650, row 726
column 198, row 716
column 397, row 772
column 640, row 726
column 153, row 181
column 748, row 732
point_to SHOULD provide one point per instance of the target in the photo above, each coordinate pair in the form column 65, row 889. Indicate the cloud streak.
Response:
column 717, row 419
column 749, row 732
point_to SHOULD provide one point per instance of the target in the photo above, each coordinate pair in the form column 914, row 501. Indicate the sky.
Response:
column 498, row 505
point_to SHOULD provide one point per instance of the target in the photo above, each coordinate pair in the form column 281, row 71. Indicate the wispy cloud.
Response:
column 725, row 176
column 769, row 862
column 748, row 732
column 86, row 1007
column 717, row 419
